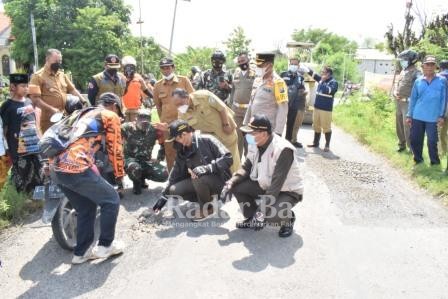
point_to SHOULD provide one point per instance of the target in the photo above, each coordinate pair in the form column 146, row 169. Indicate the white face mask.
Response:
column 182, row 109
column 293, row 68
column 404, row 64
column 260, row 71
column 169, row 77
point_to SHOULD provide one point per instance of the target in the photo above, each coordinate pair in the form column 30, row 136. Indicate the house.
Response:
column 8, row 64
column 375, row 61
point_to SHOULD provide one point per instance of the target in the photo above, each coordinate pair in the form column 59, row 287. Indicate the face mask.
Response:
column 259, row 71
column 404, row 64
column 250, row 139
column 129, row 71
column 217, row 65
column 182, row 109
column 143, row 125
column 55, row 66
column 112, row 72
column 169, row 77
column 293, row 68
column 244, row 66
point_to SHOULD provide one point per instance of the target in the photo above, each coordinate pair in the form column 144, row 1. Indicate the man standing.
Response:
column 163, row 91
column 75, row 172
column 204, row 111
column 402, row 92
column 426, row 110
column 443, row 65
column 269, row 94
column 109, row 80
column 135, row 89
column 242, row 82
column 270, row 173
column 201, row 169
column 139, row 140
column 54, row 85
column 296, row 103
column 216, row 79
column 323, row 104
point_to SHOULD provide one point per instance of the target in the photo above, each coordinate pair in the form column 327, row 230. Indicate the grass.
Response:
column 372, row 122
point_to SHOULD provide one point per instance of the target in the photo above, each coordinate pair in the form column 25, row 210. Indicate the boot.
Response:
column 287, row 229
column 137, row 187
column 327, row 141
column 316, row 140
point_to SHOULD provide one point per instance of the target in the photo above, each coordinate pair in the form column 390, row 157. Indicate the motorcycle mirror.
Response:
column 56, row 117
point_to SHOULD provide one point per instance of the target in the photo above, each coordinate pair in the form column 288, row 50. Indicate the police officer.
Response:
column 402, row 92
column 269, row 94
column 135, row 89
column 269, row 173
column 242, row 82
column 216, row 79
column 296, row 100
column 139, row 140
column 109, row 80
column 204, row 111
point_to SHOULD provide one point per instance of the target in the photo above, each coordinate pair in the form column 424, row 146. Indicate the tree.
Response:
column 193, row 57
column 237, row 43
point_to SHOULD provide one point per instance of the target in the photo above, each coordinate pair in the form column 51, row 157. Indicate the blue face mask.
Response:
column 250, row 139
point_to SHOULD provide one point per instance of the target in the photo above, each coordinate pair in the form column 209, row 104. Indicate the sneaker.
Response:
column 297, row 144
column 76, row 260
column 102, row 252
column 201, row 215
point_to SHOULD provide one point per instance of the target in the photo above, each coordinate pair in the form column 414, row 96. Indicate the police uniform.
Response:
column 163, row 90
column 204, row 115
column 242, row 83
column 269, row 97
column 138, row 146
column 106, row 82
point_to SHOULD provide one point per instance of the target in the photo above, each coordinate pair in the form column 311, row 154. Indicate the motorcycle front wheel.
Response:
column 64, row 225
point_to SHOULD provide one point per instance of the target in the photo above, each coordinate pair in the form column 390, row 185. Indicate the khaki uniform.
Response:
column 106, row 85
column 163, row 91
column 203, row 115
column 267, row 97
column 54, row 88
column 239, row 100
column 402, row 89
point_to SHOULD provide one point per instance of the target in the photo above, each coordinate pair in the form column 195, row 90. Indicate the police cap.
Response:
column 166, row 62
column 263, row 57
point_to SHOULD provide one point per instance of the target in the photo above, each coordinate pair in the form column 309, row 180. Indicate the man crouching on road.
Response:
column 201, row 168
column 270, row 173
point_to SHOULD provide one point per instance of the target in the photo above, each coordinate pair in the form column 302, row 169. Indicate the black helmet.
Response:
column 218, row 55
column 409, row 55
column 195, row 69
column 72, row 104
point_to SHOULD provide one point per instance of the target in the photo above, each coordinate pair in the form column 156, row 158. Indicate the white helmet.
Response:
column 128, row 60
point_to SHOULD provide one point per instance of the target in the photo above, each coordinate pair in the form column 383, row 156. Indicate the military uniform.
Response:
column 54, row 88
column 211, row 79
column 242, row 83
column 267, row 96
column 203, row 115
column 163, row 90
column 138, row 146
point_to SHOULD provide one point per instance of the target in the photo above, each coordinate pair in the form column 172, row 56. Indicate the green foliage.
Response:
column 281, row 64
column 237, row 43
column 344, row 67
column 372, row 122
column 193, row 57
column 12, row 203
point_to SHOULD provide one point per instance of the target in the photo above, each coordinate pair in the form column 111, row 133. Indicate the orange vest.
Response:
column 132, row 99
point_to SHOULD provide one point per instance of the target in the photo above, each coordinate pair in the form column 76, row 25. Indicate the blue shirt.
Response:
column 428, row 99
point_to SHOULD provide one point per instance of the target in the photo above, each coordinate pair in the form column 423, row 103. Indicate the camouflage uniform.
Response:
column 211, row 79
column 138, row 146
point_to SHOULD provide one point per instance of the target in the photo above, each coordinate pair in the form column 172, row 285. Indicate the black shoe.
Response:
column 401, row 149
column 297, row 144
column 435, row 163
column 287, row 229
column 137, row 188
column 245, row 223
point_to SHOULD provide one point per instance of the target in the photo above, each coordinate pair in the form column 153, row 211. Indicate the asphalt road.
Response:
column 362, row 231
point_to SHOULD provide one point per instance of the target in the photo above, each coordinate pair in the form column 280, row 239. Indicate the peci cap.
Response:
column 111, row 98
column 177, row 127
column 34, row 89
column 258, row 122
column 430, row 59
column 263, row 57
column 18, row 78
column 166, row 62
column 112, row 61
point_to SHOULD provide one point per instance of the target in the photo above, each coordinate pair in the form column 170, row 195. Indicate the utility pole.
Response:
column 172, row 28
column 33, row 34
column 140, row 22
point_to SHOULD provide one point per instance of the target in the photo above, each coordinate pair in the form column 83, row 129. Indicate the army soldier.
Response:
column 204, row 111
column 196, row 77
column 139, row 140
column 54, row 85
column 109, row 80
column 215, row 79
column 163, row 100
column 269, row 94
column 402, row 92
column 242, row 82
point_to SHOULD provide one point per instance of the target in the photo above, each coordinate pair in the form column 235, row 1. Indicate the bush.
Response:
column 12, row 203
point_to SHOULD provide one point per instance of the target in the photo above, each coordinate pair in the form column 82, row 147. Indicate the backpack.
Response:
column 63, row 133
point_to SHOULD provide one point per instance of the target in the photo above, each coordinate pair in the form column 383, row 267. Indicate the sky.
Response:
column 269, row 24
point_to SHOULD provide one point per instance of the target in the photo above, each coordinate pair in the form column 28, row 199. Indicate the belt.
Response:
column 325, row 95
column 241, row 105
